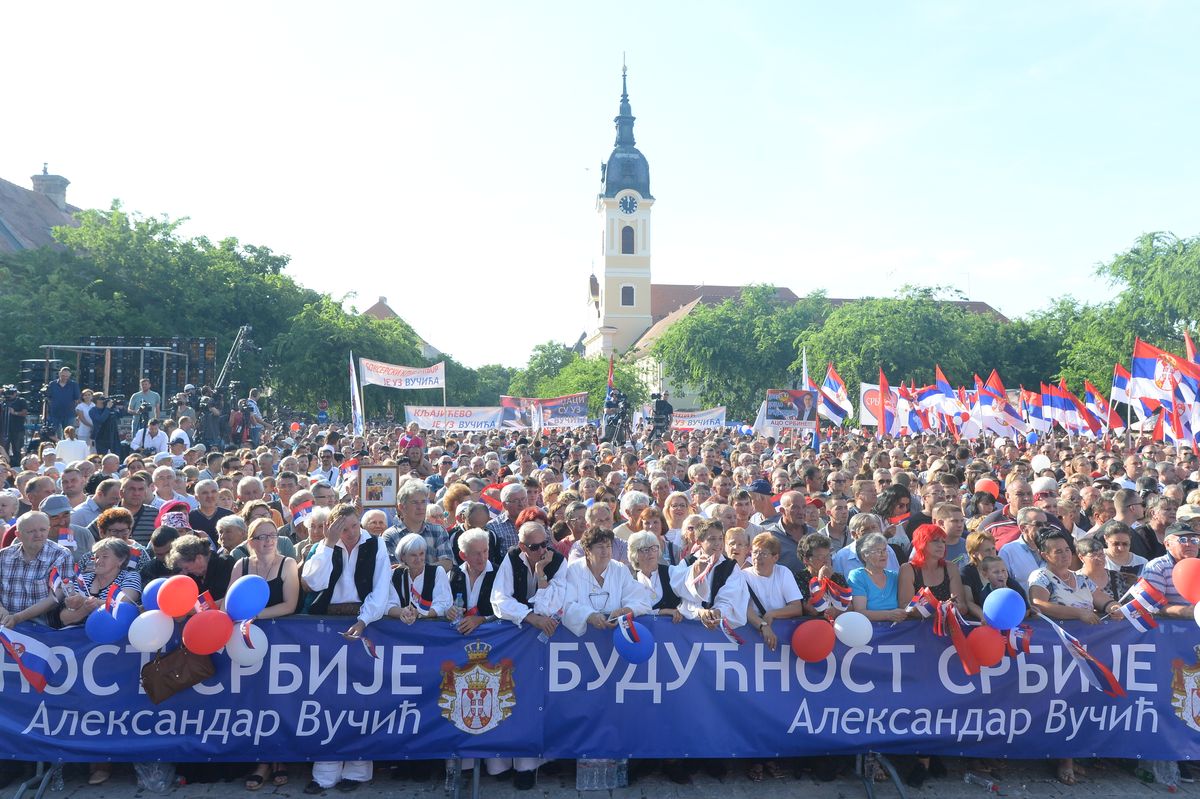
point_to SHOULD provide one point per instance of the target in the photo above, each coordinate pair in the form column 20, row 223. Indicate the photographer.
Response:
column 662, row 415
column 214, row 424
column 616, row 417
column 147, row 396
column 13, row 410
column 149, row 439
column 104, row 425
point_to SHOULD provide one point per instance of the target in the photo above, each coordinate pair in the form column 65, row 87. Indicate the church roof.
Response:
column 627, row 168
column 27, row 218
column 666, row 297
column 671, row 302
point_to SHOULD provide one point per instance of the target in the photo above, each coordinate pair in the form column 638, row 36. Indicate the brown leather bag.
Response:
column 171, row 673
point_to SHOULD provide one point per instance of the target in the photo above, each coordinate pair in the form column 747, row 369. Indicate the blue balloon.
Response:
column 247, row 597
column 638, row 651
column 124, row 613
column 150, row 593
column 102, row 628
column 1004, row 609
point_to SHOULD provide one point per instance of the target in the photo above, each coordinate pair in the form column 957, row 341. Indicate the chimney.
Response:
column 53, row 186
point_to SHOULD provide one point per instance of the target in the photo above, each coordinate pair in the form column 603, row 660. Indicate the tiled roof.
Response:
column 27, row 217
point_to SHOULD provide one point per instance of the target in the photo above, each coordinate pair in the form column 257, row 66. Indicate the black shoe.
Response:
column 524, row 780
column 715, row 769
column 420, row 771
column 1188, row 771
column 937, row 768
column 506, row 775
column 916, row 775
column 348, row 786
column 313, row 788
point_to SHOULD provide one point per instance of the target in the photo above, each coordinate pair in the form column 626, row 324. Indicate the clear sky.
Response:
column 445, row 155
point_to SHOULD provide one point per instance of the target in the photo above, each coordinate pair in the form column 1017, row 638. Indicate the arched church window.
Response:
column 627, row 240
column 627, row 296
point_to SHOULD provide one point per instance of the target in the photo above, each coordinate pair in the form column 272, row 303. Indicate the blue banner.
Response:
column 427, row 692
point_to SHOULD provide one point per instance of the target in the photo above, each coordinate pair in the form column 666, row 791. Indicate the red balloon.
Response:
column 989, row 485
column 207, row 632
column 178, row 595
column 987, row 644
column 813, row 640
column 1186, row 576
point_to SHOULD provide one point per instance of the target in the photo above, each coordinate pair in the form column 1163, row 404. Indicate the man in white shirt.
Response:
column 530, row 587
column 350, row 573
column 150, row 439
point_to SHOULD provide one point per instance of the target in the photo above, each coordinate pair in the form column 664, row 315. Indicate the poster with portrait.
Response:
column 791, row 411
column 517, row 412
column 377, row 486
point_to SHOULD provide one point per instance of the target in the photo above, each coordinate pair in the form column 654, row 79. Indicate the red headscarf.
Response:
column 920, row 540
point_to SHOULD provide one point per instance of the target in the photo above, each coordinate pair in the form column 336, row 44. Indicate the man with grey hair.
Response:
column 514, row 498
column 632, row 504
column 106, row 494
column 412, row 498
column 25, row 593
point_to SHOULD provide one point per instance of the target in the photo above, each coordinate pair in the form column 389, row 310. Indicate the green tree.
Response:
column 729, row 353
column 546, row 360
column 491, row 380
column 591, row 375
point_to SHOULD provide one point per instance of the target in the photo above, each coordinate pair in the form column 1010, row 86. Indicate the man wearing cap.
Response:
column 75, row 539
column 1189, row 515
column 1180, row 542
column 327, row 471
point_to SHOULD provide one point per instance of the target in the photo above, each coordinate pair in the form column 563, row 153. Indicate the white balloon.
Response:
column 1196, row 613
column 151, row 631
column 244, row 655
column 853, row 629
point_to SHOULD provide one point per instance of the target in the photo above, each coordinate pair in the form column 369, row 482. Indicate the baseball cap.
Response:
column 55, row 504
column 324, row 449
column 760, row 487
column 1179, row 529
column 1188, row 512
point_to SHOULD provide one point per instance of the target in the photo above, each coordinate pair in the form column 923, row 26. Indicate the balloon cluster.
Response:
column 169, row 598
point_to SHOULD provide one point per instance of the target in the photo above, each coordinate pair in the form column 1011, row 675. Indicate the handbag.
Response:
column 171, row 673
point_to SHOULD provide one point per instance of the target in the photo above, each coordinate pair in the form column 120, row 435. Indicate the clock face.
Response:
column 628, row 204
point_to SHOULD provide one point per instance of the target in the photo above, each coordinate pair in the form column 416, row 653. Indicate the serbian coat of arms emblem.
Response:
column 1185, row 691
column 477, row 696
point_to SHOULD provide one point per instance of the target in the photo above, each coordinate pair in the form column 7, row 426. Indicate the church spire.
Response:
column 624, row 118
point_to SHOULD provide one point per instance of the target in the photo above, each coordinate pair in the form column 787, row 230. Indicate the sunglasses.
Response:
column 536, row 547
column 1194, row 540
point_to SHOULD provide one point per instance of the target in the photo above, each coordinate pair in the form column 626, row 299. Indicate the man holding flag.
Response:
column 26, row 593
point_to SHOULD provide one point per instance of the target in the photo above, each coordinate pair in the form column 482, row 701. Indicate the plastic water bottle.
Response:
column 545, row 639
column 461, row 604
column 603, row 774
column 971, row 778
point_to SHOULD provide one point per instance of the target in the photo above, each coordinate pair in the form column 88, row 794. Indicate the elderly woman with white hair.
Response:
column 644, row 550
column 632, row 505
column 419, row 591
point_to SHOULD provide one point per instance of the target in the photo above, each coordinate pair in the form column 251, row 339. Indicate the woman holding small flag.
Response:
column 928, row 567
column 108, row 582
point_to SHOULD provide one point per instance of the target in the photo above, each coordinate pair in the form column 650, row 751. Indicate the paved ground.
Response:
column 1105, row 780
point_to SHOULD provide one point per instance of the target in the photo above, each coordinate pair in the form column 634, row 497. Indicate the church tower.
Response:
column 621, row 296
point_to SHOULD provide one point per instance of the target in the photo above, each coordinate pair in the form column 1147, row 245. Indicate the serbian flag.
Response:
column 887, row 412
column 1031, row 406
column 775, row 500
column 824, row 594
column 349, row 467
column 1156, row 373
column 1018, row 640
column 302, row 511
column 495, row 506
column 835, row 402
column 1077, row 413
column 609, row 390
column 35, row 660
column 999, row 415
column 1099, row 409
column 947, row 621
column 1144, row 601
column 1096, row 673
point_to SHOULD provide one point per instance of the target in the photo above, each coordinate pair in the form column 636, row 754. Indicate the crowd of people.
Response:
column 529, row 528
